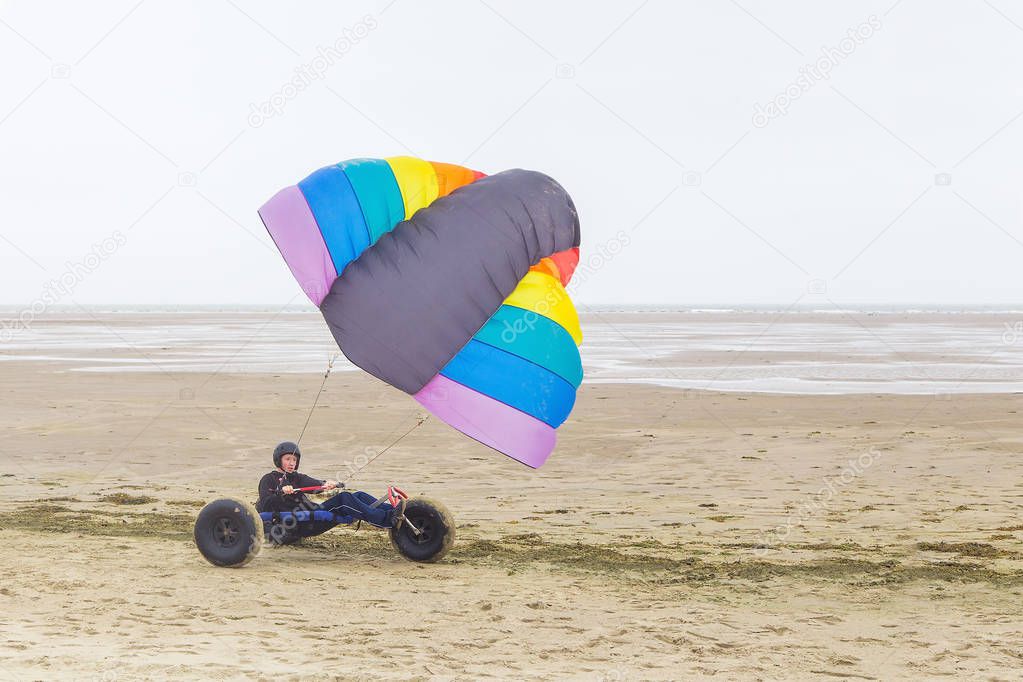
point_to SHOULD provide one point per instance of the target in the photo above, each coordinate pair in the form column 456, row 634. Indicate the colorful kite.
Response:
column 447, row 284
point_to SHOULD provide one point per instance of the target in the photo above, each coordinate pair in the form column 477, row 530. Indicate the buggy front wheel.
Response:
column 436, row 531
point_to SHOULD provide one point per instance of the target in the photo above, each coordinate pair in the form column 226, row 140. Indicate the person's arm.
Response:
column 268, row 489
column 303, row 481
column 309, row 481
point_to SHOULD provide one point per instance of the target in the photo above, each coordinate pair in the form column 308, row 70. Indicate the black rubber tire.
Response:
column 229, row 533
column 438, row 531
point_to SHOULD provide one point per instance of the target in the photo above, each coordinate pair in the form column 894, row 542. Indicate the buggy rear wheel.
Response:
column 436, row 531
column 228, row 532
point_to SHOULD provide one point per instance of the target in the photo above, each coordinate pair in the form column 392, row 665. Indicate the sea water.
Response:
column 759, row 350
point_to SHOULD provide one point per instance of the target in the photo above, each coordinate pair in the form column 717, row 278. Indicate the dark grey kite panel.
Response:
column 410, row 302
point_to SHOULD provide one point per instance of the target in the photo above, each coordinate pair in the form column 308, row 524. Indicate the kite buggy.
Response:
column 231, row 532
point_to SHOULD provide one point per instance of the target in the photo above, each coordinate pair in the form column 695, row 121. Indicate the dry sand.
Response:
column 672, row 535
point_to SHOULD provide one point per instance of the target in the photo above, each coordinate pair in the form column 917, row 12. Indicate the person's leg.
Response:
column 360, row 505
column 333, row 502
column 377, row 511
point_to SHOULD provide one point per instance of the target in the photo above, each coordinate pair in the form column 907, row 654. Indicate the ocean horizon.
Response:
column 758, row 350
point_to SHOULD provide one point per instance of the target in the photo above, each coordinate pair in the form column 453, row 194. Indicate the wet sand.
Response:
column 673, row 534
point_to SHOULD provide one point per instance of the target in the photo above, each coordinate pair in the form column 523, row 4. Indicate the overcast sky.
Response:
column 718, row 152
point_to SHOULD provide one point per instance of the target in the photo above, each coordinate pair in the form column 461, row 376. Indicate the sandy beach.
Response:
column 674, row 533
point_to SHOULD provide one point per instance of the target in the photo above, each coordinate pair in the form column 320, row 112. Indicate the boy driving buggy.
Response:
column 284, row 490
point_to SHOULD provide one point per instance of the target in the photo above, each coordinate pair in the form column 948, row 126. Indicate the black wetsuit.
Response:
column 272, row 499
column 360, row 505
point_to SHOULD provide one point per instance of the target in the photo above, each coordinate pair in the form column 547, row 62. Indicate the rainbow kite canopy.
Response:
column 447, row 284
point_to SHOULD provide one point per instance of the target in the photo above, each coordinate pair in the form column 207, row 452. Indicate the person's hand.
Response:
column 287, row 490
column 330, row 484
